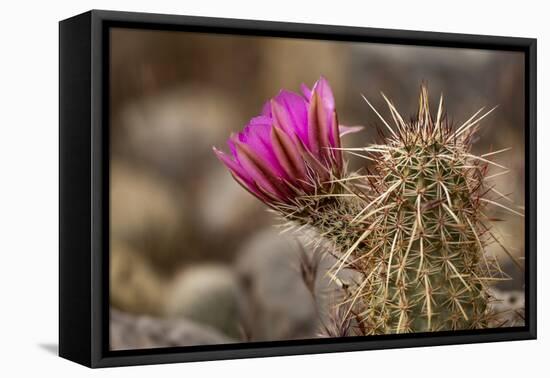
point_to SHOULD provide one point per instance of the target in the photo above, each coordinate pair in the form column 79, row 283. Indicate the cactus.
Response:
column 414, row 226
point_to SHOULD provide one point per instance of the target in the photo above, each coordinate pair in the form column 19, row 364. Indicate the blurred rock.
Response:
column 140, row 201
column 209, row 295
column 134, row 286
column 281, row 307
column 138, row 332
column 224, row 207
column 511, row 234
column 175, row 130
column 510, row 307
column 150, row 214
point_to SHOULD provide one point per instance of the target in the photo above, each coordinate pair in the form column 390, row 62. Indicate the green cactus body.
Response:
column 414, row 229
column 429, row 259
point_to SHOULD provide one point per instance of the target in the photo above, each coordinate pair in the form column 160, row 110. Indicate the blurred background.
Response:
column 194, row 258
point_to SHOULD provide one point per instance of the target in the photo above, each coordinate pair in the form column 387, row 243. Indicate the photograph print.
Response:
column 273, row 189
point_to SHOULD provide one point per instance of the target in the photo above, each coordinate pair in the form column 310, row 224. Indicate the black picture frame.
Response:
column 84, row 187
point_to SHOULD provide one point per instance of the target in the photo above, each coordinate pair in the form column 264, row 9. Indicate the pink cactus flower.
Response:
column 291, row 149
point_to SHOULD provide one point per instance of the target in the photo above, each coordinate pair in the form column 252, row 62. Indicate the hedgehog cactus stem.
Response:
column 414, row 228
column 424, row 262
column 418, row 236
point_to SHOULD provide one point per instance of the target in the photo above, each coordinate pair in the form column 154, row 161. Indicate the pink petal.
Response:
column 288, row 154
column 266, row 109
column 236, row 170
column 261, row 120
column 318, row 168
column 260, row 172
column 257, row 136
column 306, row 91
column 336, row 144
column 333, row 136
column 318, row 128
column 253, row 189
column 324, row 91
column 291, row 112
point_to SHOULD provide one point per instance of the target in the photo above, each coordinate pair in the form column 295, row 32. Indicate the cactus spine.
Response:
column 414, row 228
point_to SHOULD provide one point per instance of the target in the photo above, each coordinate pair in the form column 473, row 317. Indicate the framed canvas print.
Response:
column 233, row 188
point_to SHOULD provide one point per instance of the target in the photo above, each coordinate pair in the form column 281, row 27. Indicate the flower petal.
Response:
column 260, row 171
column 306, row 91
column 287, row 154
column 293, row 145
column 253, row 189
column 318, row 128
column 257, row 136
column 314, row 166
column 290, row 110
column 324, row 91
column 336, row 144
column 261, row 120
column 237, row 171
column 266, row 109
